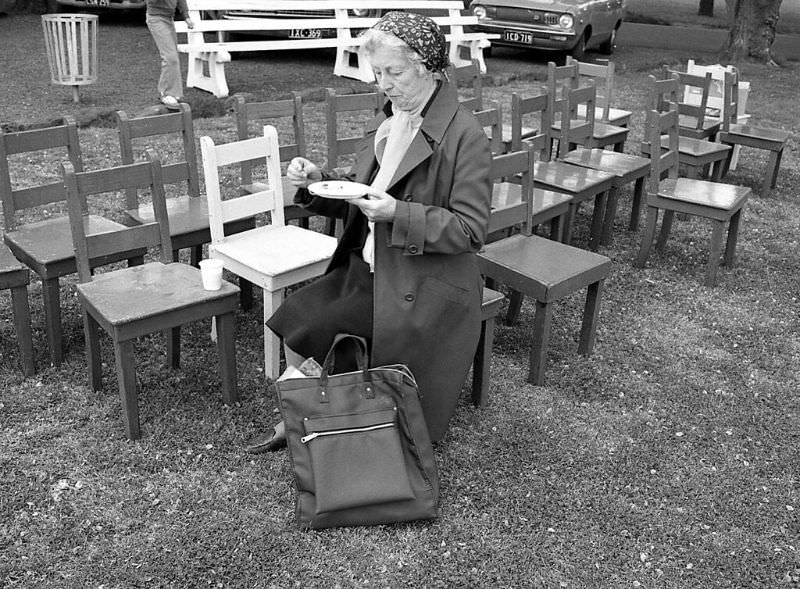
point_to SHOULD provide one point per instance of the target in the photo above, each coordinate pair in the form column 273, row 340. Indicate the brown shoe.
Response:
column 265, row 443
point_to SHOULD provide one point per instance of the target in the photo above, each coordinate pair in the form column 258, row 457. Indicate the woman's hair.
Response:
column 375, row 39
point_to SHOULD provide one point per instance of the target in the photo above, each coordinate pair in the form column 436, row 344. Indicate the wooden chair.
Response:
column 139, row 300
column 188, row 213
column 747, row 135
column 700, row 158
column 565, row 77
column 580, row 183
column 15, row 278
column 693, row 95
column 626, row 168
column 338, row 104
column 603, row 77
column 252, row 114
column 544, row 269
column 271, row 256
column 45, row 246
column 482, row 361
column 468, row 76
column 721, row 203
column 491, row 119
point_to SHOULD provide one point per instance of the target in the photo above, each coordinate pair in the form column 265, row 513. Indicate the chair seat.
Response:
column 622, row 165
column 689, row 123
column 604, row 131
column 572, row 179
column 616, row 116
column 763, row 135
column 727, row 197
column 46, row 246
column 12, row 271
column 150, row 291
column 299, row 247
column 547, row 204
column 187, row 214
column 694, row 148
column 545, row 269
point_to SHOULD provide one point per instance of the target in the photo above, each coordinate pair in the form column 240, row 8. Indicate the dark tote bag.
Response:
column 358, row 444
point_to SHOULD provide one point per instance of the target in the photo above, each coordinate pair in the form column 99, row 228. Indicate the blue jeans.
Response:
column 162, row 30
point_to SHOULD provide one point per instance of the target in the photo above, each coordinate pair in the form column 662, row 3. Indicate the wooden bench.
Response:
column 207, row 59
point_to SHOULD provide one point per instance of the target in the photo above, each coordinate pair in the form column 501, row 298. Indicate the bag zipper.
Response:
column 355, row 430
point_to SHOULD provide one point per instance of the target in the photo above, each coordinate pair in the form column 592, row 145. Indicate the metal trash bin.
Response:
column 71, row 42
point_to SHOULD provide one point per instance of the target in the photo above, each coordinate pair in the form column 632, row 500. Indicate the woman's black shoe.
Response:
column 265, row 443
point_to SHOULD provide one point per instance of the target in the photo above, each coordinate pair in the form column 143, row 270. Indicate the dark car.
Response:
column 559, row 25
column 94, row 5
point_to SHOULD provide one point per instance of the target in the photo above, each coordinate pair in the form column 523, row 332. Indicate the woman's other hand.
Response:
column 302, row 172
column 377, row 205
column 189, row 22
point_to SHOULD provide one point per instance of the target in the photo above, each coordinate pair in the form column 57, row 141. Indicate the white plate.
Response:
column 338, row 189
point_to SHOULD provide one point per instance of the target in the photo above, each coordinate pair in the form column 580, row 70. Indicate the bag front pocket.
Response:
column 356, row 460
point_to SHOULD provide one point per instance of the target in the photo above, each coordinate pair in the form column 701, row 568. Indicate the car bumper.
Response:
column 103, row 5
column 518, row 35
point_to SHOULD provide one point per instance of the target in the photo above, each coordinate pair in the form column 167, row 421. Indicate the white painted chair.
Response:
column 271, row 256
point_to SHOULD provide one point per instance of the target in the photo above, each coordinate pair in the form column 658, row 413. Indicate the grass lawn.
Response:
column 667, row 459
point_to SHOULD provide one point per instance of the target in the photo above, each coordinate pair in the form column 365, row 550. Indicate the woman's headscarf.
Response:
column 421, row 34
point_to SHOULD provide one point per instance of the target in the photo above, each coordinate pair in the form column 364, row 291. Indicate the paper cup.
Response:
column 211, row 273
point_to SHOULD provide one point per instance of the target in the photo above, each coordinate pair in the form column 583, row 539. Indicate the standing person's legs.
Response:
column 166, row 40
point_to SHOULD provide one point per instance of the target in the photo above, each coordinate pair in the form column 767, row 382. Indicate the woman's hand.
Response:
column 377, row 205
column 302, row 172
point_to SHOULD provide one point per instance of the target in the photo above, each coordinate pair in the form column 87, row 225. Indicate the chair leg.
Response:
column 541, row 339
column 481, row 365
column 636, row 206
column 666, row 227
column 771, row 177
column 647, row 238
column 226, row 348
column 126, row 377
column 776, row 167
column 22, row 326
column 52, row 314
column 598, row 214
column 714, row 253
column 135, row 261
column 515, row 298
column 733, row 236
column 196, row 255
column 245, row 294
column 91, row 332
column 566, row 231
column 272, row 344
column 612, row 202
column 555, row 228
column 591, row 311
column 173, row 337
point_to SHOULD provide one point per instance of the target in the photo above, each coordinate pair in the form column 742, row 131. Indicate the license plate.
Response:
column 518, row 37
column 305, row 33
column 103, row 3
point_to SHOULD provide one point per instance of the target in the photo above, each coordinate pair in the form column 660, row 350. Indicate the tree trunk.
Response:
column 752, row 29
column 706, row 8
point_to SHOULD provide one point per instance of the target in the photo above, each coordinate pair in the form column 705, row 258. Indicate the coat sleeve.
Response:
column 462, row 225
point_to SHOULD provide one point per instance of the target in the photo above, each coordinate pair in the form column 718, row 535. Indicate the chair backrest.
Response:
column 695, row 86
column 269, row 200
column 468, row 76
column 174, row 123
column 61, row 136
column 560, row 78
column 523, row 111
column 139, row 176
column 516, row 165
column 663, row 93
column 730, row 99
column 575, row 129
column 491, row 119
column 271, row 111
column 663, row 161
column 603, row 77
column 347, row 103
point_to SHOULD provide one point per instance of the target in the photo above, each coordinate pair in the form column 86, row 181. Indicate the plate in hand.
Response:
column 338, row 189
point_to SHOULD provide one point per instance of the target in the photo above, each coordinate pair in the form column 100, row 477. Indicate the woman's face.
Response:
column 405, row 83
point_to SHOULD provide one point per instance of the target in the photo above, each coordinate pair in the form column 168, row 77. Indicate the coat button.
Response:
column 407, row 198
column 409, row 297
column 412, row 249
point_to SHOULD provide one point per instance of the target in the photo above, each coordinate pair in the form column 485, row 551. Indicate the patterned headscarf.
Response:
column 420, row 33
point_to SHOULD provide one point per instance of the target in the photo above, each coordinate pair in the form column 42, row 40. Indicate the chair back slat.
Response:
column 663, row 158
column 336, row 104
column 692, row 84
column 492, row 119
column 730, row 99
column 514, row 168
column 89, row 246
column 63, row 136
column 289, row 108
column 663, row 93
column 576, row 129
column 270, row 200
column 603, row 76
column 523, row 109
column 560, row 78
column 468, row 76
column 185, row 170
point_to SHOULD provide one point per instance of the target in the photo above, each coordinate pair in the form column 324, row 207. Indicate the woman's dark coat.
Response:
column 428, row 288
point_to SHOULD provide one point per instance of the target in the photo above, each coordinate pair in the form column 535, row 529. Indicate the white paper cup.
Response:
column 211, row 273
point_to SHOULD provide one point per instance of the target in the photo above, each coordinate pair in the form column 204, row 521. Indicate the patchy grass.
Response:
column 668, row 458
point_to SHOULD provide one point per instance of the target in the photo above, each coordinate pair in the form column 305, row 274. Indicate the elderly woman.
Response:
column 404, row 274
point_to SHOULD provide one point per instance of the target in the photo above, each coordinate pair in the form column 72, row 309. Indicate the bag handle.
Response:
column 361, row 362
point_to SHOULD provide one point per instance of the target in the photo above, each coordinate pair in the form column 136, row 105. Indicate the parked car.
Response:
column 94, row 5
column 559, row 25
